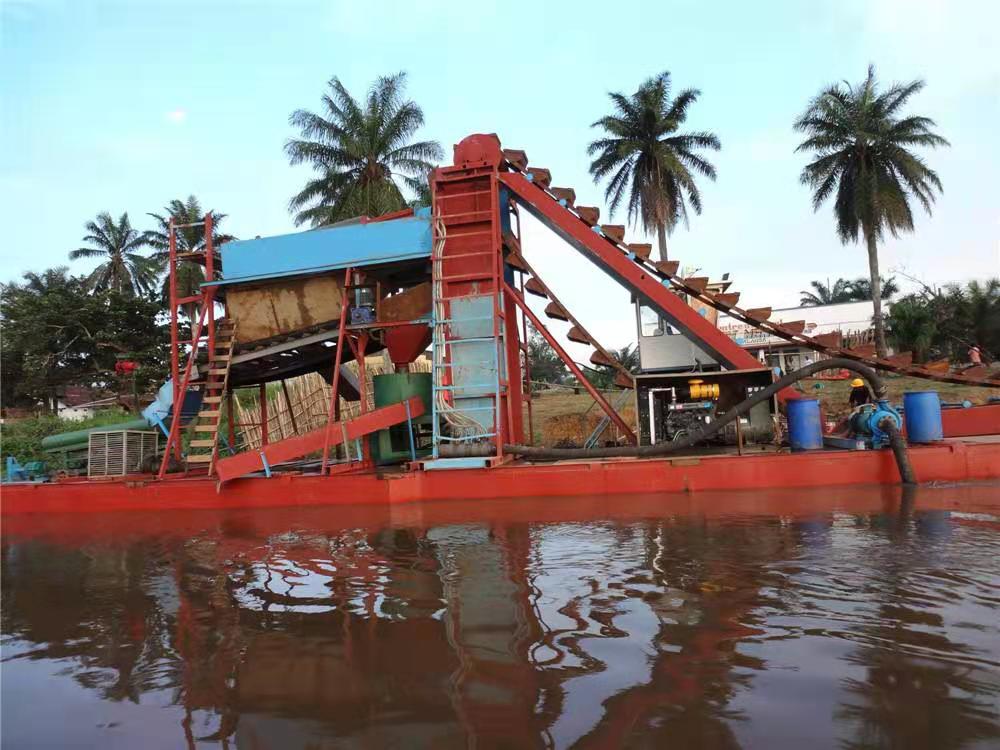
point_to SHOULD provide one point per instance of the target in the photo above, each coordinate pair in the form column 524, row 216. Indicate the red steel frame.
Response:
column 565, row 357
column 467, row 204
column 949, row 461
column 332, row 412
column 473, row 265
column 173, row 436
column 597, row 249
column 206, row 318
column 480, row 170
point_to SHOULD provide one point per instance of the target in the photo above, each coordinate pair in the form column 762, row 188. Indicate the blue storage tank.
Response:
column 805, row 428
column 922, row 416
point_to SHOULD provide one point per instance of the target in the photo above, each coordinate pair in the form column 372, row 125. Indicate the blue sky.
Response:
column 118, row 107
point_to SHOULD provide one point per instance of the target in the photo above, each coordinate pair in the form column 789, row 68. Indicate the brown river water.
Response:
column 849, row 618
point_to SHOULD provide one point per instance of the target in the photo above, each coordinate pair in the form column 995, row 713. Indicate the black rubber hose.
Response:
column 662, row 449
column 898, row 445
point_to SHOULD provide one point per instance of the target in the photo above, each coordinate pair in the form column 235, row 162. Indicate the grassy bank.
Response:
column 22, row 438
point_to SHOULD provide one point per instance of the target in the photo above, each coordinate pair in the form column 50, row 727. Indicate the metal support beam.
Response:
column 335, row 379
column 595, row 394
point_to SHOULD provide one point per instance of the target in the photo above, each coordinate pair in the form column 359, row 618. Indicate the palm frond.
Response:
column 363, row 152
column 650, row 166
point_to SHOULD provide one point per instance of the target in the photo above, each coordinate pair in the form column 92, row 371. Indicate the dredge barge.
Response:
column 454, row 277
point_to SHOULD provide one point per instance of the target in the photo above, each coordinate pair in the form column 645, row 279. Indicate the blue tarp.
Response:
column 328, row 249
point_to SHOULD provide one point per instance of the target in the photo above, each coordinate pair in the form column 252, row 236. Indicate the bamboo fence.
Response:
column 300, row 405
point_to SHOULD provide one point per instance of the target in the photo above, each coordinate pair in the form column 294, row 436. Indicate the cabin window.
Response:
column 650, row 322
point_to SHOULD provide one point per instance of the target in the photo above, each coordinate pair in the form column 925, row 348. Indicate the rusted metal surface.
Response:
column 510, row 242
column 541, row 177
column 284, row 306
column 698, row 283
column 615, row 232
column 759, row 313
column 667, row 267
column 516, row 157
column 864, row 350
column 599, row 358
column 575, row 334
column 408, row 304
column 641, row 249
column 832, row 339
column 514, row 260
column 590, row 214
column 555, row 310
column 903, row 359
column 567, row 195
column 794, row 327
column 727, row 299
column 534, row 287
column 623, row 380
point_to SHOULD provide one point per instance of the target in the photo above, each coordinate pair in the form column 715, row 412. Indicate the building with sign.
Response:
column 852, row 320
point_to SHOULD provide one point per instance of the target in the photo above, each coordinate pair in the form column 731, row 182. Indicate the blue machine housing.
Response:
column 865, row 423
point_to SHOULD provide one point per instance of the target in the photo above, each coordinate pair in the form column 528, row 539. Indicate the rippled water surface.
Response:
column 848, row 619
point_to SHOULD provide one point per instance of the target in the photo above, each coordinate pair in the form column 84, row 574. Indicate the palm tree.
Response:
column 845, row 290
column 862, row 149
column 363, row 152
column 913, row 326
column 628, row 357
column 861, row 288
column 976, row 310
column 190, row 239
column 824, row 294
column 123, row 269
column 648, row 160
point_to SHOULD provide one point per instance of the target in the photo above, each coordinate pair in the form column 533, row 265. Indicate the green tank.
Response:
column 393, row 445
column 69, row 441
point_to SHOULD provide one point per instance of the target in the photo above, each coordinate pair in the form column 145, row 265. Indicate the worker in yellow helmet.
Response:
column 859, row 393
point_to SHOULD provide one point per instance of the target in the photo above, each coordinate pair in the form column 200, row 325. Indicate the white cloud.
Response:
column 177, row 115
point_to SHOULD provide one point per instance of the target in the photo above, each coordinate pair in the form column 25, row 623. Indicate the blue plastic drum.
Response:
column 922, row 416
column 805, row 428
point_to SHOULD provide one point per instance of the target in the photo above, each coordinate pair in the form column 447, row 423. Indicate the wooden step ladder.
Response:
column 204, row 446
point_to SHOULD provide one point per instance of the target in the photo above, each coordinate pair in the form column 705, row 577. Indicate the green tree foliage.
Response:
column 650, row 164
column 912, row 327
column 363, row 151
column 124, row 269
column 845, row 290
column 826, row 294
column 546, row 367
column 190, row 239
column 861, row 289
column 56, row 332
column 978, row 307
column 945, row 323
column 22, row 438
column 864, row 158
column 603, row 376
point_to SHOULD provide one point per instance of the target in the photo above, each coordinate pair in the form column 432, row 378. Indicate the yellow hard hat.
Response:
column 857, row 383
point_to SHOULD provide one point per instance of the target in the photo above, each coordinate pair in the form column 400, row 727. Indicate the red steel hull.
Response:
column 953, row 460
